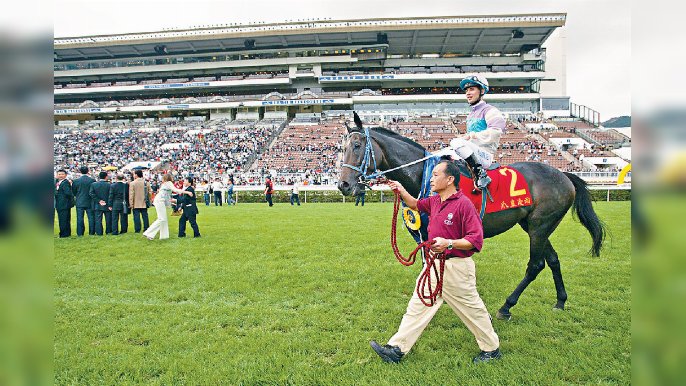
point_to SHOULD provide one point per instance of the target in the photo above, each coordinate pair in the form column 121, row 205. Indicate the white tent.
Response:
column 145, row 164
column 181, row 145
column 195, row 132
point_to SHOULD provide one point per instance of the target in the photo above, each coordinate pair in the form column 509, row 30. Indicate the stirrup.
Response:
column 482, row 180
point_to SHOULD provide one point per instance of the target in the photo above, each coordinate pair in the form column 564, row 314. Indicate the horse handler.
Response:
column 456, row 230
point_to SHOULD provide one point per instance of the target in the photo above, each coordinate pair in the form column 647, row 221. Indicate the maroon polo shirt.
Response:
column 455, row 218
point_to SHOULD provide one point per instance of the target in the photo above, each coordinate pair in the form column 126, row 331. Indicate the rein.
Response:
column 435, row 262
column 427, row 291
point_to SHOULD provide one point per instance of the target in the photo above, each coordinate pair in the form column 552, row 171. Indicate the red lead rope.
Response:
column 426, row 291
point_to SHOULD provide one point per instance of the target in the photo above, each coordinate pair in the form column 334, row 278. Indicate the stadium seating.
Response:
column 605, row 137
column 307, row 145
column 210, row 146
column 304, row 148
column 431, row 133
column 249, row 75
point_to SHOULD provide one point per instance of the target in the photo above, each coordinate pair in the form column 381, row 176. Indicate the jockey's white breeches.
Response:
column 464, row 149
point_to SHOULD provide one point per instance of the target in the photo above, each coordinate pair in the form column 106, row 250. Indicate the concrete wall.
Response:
column 555, row 65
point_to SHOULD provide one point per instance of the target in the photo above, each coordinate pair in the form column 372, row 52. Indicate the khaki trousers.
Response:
column 459, row 291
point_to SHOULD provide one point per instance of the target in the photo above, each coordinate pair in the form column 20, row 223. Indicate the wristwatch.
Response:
column 450, row 244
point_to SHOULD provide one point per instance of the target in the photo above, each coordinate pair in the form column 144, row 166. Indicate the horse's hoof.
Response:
column 559, row 307
column 503, row 316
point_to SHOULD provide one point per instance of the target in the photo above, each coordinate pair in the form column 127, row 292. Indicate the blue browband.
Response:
column 368, row 156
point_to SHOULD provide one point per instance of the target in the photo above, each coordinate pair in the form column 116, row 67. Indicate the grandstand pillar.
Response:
column 222, row 113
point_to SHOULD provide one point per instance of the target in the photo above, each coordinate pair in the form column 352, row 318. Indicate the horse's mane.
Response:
column 393, row 134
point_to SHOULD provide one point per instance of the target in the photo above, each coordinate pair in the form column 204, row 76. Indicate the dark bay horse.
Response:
column 553, row 192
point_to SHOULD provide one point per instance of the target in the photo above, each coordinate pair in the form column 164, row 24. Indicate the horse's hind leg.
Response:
column 554, row 264
column 538, row 246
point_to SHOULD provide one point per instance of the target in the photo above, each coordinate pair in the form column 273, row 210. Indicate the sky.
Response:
column 598, row 33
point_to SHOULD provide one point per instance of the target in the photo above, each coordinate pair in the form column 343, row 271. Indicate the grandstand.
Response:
column 248, row 100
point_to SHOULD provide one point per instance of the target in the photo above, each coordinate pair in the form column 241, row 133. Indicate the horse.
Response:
column 553, row 192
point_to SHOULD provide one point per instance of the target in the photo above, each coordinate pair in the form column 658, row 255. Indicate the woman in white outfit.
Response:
column 161, row 202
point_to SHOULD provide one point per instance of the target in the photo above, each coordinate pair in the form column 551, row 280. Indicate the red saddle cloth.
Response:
column 508, row 188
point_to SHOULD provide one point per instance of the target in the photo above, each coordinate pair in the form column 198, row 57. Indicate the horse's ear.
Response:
column 347, row 126
column 358, row 121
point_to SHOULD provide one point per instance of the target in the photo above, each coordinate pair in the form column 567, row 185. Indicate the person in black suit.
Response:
column 64, row 201
column 190, row 209
column 118, row 201
column 100, row 192
column 125, row 213
column 84, row 202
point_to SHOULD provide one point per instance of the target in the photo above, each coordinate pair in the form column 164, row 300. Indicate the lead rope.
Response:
column 426, row 291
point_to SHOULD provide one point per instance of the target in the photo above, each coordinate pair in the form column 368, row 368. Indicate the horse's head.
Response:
column 359, row 158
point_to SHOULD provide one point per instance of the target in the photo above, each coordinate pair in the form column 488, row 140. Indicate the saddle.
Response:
column 417, row 224
column 466, row 172
column 508, row 188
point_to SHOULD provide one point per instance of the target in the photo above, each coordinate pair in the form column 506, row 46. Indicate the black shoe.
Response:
column 388, row 353
column 486, row 356
column 481, row 179
column 182, row 235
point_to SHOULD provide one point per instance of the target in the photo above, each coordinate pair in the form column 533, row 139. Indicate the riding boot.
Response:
column 481, row 179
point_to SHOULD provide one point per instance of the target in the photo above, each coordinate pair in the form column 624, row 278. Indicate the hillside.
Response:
column 623, row 121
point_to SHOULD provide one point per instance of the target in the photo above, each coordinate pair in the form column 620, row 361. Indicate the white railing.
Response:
column 385, row 191
column 601, row 176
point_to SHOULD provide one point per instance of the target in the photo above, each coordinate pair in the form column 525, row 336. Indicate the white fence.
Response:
column 384, row 191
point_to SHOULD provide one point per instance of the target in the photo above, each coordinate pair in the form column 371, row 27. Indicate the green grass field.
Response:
column 292, row 295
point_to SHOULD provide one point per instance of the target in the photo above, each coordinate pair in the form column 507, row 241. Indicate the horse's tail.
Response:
column 583, row 210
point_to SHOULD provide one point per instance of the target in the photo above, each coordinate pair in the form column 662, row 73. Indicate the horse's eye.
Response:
column 356, row 145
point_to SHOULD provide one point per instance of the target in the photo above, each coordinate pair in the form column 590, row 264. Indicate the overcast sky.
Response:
column 598, row 32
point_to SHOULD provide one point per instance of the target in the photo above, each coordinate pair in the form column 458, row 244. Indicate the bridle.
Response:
column 368, row 160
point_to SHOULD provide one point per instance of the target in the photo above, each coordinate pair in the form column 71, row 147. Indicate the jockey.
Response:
column 485, row 125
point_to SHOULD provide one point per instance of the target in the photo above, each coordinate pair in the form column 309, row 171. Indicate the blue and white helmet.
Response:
column 475, row 80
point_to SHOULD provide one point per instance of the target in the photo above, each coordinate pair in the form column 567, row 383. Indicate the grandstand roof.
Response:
column 421, row 35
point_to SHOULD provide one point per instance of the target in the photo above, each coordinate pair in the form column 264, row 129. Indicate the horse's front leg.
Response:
column 535, row 266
